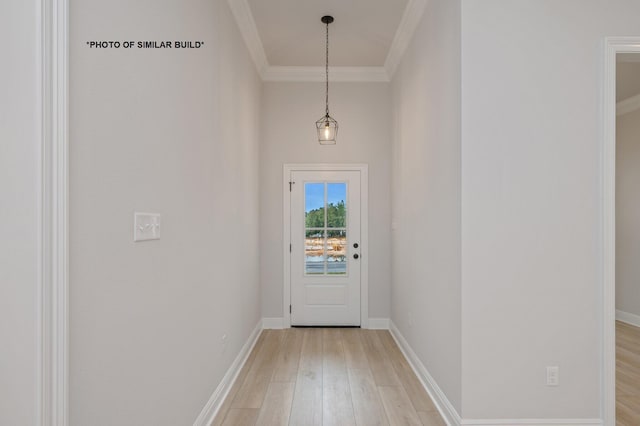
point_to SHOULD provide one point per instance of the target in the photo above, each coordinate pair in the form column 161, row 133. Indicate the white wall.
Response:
column 289, row 113
column 19, row 183
column 174, row 132
column 531, row 188
column 426, row 196
column 628, row 213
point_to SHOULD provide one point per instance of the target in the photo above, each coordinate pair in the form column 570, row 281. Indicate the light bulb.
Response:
column 326, row 131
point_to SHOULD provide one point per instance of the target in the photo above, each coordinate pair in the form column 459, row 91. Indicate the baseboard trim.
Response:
column 378, row 324
column 212, row 407
column 444, row 406
column 273, row 323
column 531, row 422
column 628, row 318
column 278, row 323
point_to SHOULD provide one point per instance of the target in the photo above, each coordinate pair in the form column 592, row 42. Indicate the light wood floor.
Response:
column 327, row 376
column 627, row 375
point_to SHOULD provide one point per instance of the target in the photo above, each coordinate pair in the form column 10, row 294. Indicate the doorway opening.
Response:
column 617, row 205
column 325, row 245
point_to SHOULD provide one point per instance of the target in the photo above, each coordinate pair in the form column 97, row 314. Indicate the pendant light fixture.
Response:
column 327, row 127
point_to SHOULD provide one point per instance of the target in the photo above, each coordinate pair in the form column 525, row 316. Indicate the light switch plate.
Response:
column 146, row 226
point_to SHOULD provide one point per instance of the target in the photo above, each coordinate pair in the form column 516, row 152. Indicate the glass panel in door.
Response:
column 325, row 228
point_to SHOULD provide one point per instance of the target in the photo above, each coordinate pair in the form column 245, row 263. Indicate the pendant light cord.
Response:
column 327, row 71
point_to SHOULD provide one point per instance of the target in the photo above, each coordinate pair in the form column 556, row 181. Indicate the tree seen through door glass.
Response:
column 336, row 207
column 325, row 228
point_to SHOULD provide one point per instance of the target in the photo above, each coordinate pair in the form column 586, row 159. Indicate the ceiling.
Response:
column 361, row 35
column 366, row 41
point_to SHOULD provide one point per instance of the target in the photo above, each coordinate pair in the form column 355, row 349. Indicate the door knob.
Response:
column 355, row 256
column 355, row 245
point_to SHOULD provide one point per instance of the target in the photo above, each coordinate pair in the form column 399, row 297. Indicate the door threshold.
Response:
column 325, row 326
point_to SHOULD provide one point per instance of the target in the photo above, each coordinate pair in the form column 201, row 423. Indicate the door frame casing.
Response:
column 52, row 369
column 364, row 233
column 613, row 46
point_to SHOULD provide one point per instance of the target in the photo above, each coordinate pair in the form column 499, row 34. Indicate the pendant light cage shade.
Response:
column 327, row 130
column 327, row 127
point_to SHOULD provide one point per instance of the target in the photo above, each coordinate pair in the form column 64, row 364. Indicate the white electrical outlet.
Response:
column 553, row 376
column 146, row 226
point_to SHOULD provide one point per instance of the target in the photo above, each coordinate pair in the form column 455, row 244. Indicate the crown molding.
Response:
column 628, row 105
column 247, row 25
column 317, row 74
column 408, row 25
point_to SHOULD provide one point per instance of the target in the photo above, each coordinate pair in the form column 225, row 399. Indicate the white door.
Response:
column 325, row 248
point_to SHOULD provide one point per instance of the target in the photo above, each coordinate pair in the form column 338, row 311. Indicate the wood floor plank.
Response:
column 277, row 405
column 226, row 405
column 307, row 397
column 381, row 367
column 289, row 357
column 252, row 392
column 241, row 417
column 336, row 393
column 431, row 418
column 367, row 406
column 398, row 406
column 342, row 377
column 627, row 374
column 417, row 393
column 353, row 348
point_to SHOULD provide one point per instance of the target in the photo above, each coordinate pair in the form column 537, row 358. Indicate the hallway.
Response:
column 327, row 376
column 489, row 248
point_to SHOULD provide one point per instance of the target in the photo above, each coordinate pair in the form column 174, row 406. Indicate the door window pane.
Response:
column 314, row 252
column 337, row 252
column 314, row 202
column 336, row 205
